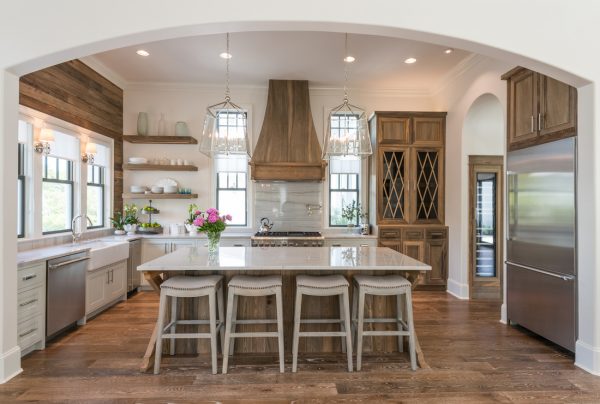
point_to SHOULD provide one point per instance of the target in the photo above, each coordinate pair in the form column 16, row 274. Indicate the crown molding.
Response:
column 464, row 67
column 105, row 71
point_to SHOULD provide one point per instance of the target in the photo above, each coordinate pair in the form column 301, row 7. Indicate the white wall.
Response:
column 28, row 43
column 188, row 103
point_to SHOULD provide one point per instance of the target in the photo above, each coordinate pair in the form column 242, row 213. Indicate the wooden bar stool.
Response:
column 330, row 285
column 390, row 285
column 190, row 286
column 243, row 285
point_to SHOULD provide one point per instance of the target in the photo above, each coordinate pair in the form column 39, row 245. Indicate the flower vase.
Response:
column 214, row 238
column 142, row 124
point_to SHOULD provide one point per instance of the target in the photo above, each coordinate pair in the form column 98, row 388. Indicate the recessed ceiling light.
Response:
column 225, row 55
column 142, row 52
column 410, row 61
column 448, row 51
column 349, row 59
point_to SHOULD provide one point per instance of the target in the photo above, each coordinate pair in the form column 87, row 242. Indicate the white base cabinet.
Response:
column 31, row 308
column 350, row 242
column 105, row 286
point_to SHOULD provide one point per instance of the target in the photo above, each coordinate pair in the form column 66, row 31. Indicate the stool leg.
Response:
column 399, row 317
column 227, row 330
column 233, row 320
column 212, row 308
column 159, row 332
column 173, row 327
column 348, row 329
column 297, row 311
column 354, row 312
column 360, row 325
column 342, row 326
column 221, row 315
column 278, row 299
column 411, row 330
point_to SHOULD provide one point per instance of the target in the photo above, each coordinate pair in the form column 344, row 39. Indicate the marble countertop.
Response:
column 285, row 258
column 47, row 253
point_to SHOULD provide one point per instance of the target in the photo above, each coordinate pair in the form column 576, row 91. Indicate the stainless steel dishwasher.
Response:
column 65, row 292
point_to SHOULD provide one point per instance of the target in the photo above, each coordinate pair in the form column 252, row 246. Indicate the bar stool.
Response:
column 244, row 285
column 330, row 285
column 390, row 285
column 190, row 286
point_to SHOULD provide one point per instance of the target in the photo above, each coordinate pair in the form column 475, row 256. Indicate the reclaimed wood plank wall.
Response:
column 74, row 92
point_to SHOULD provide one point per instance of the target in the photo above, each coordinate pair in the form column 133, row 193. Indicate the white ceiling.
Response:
column 313, row 56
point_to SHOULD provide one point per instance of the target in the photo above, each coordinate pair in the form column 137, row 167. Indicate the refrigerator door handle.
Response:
column 563, row 277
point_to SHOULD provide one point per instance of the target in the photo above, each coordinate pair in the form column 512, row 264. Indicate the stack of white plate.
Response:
column 171, row 189
column 137, row 189
column 157, row 190
column 138, row 160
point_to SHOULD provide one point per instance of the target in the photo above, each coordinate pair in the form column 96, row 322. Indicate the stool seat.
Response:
column 182, row 282
column 255, row 282
column 322, row 282
column 382, row 282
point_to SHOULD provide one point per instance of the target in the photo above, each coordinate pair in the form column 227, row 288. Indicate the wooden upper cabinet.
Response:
column 540, row 109
column 392, row 184
column 523, row 107
column 393, row 130
column 558, row 103
column 429, row 131
column 427, row 203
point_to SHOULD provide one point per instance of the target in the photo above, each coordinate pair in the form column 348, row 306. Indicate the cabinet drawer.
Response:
column 436, row 234
column 413, row 234
column 30, row 303
column 30, row 331
column 389, row 233
column 31, row 276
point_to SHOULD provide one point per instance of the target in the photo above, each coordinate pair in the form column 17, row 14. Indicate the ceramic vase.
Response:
column 142, row 124
column 130, row 229
column 181, row 129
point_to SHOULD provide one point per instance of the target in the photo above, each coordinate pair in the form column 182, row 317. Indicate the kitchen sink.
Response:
column 103, row 253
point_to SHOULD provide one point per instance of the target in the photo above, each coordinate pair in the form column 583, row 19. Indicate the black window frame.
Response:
column 345, row 190
column 70, row 181
column 236, row 188
column 100, row 183
column 22, row 180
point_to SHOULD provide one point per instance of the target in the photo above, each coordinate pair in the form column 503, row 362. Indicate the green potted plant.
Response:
column 118, row 222
column 130, row 219
column 193, row 213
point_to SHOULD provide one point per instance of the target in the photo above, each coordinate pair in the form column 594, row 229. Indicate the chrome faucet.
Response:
column 77, row 236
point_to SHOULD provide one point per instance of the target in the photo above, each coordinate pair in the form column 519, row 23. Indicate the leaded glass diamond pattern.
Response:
column 427, row 185
column 393, row 184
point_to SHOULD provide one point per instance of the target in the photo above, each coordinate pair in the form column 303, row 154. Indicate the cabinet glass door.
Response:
column 428, row 186
column 392, row 201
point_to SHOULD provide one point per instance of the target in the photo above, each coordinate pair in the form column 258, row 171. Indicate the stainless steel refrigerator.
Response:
column 541, row 282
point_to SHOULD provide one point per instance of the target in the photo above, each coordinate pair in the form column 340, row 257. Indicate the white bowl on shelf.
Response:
column 157, row 190
column 137, row 189
column 171, row 189
column 138, row 160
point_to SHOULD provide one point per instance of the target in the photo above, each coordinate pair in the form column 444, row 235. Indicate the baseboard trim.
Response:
column 458, row 290
column 587, row 357
column 10, row 364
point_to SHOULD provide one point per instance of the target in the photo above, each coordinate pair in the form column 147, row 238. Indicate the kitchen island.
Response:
column 287, row 262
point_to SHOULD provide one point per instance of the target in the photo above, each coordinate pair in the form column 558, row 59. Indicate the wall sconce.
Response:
column 43, row 145
column 90, row 152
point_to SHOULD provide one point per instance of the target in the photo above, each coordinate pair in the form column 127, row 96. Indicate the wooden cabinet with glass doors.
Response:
column 409, row 167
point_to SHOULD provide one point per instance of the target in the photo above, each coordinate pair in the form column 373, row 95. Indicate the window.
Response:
column 57, row 194
column 95, row 195
column 21, row 193
column 232, row 171
column 343, row 190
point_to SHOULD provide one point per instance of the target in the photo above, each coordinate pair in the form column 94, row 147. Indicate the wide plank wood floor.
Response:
column 473, row 358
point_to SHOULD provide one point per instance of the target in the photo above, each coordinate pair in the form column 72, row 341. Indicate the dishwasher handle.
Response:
column 62, row 264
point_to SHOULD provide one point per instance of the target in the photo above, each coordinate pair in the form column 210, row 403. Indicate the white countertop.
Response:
column 285, row 258
column 47, row 253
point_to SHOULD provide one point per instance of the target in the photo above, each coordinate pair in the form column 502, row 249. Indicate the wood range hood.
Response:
column 288, row 148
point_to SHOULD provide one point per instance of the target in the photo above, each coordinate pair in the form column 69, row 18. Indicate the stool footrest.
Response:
column 182, row 335
column 254, row 334
column 322, row 333
column 267, row 321
column 379, row 320
column 386, row 333
column 321, row 321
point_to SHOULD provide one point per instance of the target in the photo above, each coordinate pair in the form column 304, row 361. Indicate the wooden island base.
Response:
column 261, row 307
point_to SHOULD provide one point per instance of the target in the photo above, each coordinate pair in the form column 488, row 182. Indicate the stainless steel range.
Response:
column 288, row 239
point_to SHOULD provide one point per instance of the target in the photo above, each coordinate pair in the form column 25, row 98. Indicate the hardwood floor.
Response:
column 473, row 358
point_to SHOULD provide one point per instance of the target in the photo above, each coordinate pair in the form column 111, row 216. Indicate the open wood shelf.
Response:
column 160, row 196
column 160, row 139
column 158, row 167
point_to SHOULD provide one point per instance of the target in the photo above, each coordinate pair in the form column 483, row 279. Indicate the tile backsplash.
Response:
column 289, row 205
